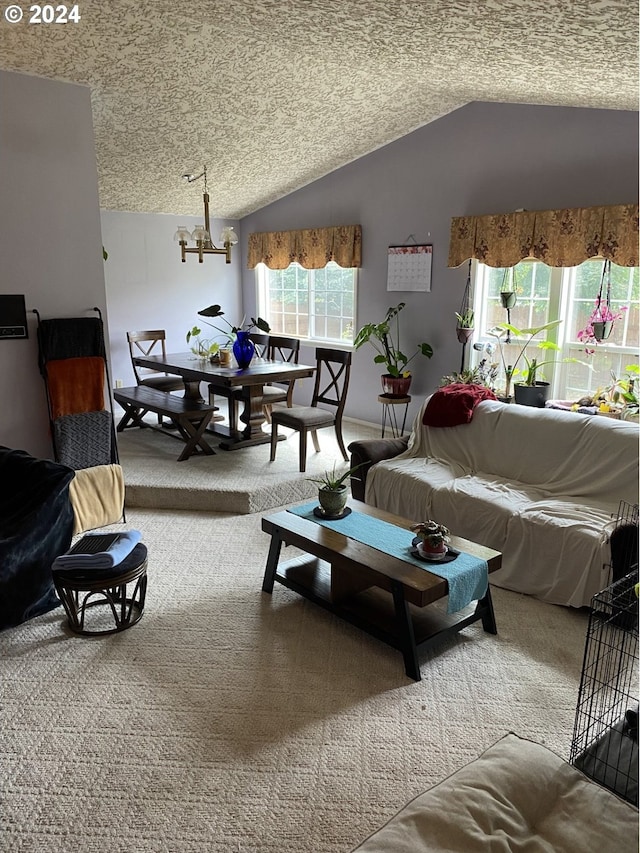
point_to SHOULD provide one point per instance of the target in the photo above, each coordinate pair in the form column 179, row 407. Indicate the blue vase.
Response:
column 243, row 349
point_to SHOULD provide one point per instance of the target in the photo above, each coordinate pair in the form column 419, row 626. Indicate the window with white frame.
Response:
column 544, row 294
column 318, row 306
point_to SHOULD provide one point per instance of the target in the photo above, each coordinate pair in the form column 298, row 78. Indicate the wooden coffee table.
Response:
column 381, row 594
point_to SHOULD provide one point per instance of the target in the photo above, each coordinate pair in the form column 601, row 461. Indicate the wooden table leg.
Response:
column 488, row 616
column 253, row 416
column 192, row 432
column 406, row 634
column 272, row 562
column 135, row 414
column 192, row 390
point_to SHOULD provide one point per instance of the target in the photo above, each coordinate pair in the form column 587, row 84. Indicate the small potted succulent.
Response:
column 333, row 491
column 434, row 538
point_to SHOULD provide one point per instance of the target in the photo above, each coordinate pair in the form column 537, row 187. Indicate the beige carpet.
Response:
column 229, row 721
column 231, row 481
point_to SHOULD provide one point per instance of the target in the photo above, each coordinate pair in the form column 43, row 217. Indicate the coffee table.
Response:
column 381, row 594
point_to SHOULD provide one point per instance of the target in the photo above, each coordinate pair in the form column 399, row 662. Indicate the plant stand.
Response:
column 390, row 413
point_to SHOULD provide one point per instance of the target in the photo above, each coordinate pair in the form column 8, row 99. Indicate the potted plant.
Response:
column 602, row 318
column 434, row 538
column 621, row 395
column 201, row 347
column 384, row 337
column 333, row 491
column 531, row 391
column 465, row 325
column 508, row 289
column 242, row 345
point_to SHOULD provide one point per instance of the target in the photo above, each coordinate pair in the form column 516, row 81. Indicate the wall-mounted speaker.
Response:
column 13, row 316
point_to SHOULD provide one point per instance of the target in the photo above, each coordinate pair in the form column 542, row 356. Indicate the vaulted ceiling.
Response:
column 273, row 94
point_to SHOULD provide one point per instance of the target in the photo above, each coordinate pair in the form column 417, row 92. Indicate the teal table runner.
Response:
column 468, row 576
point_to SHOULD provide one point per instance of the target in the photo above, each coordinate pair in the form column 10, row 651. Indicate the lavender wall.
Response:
column 148, row 286
column 50, row 241
column 482, row 158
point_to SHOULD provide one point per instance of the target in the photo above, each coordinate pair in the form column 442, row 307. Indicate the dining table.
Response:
column 250, row 380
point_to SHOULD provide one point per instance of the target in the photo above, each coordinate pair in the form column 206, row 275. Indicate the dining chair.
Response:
column 233, row 396
column 280, row 349
column 333, row 368
column 152, row 342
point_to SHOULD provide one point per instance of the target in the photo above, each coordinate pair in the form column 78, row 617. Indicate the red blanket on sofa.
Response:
column 454, row 404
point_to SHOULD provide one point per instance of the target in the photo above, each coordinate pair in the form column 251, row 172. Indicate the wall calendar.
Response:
column 409, row 267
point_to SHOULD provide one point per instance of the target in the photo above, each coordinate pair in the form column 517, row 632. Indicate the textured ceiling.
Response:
column 272, row 94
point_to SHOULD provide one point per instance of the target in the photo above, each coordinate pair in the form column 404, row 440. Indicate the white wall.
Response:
column 148, row 286
column 50, row 241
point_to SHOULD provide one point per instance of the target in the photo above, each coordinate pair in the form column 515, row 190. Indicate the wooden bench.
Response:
column 190, row 417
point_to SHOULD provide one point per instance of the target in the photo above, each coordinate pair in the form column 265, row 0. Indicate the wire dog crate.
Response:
column 605, row 737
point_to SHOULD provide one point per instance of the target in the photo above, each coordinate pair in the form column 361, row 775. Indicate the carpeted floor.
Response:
column 230, row 481
column 230, row 721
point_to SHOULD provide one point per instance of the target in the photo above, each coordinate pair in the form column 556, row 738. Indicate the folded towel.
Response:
column 115, row 553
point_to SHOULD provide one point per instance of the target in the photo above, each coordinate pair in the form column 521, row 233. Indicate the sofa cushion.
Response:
column 550, row 535
column 405, row 486
column 517, row 796
column 481, row 508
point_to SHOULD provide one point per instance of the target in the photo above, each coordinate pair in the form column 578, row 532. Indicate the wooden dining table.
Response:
column 251, row 381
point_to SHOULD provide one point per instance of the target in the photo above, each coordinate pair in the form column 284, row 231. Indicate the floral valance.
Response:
column 312, row 248
column 559, row 238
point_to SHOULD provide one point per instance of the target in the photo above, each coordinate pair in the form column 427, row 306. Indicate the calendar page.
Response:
column 409, row 267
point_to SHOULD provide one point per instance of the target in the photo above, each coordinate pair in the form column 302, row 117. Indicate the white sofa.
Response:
column 542, row 486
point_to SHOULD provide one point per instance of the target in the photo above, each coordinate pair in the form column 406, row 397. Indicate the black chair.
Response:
column 333, row 368
column 280, row 349
column 152, row 343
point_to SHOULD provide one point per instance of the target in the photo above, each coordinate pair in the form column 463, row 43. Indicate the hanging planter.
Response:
column 602, row 329
column 508, row 298
column 465, row 317
column 600, row 324
column 508, row 294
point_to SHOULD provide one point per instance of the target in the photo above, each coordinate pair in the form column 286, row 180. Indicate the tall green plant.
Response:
column 532, row 364
column 384, row 337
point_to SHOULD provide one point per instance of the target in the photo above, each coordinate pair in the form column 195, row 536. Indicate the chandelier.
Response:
column 201, row 235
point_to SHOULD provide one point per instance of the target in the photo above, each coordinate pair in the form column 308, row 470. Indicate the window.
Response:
column 314, row 305
column 549, row 293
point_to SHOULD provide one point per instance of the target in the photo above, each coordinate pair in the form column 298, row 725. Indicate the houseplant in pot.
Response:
column 508, row 289
column 384, row 337
column 503, row 333
column 202, row 347
column 238, row 336
column 434, row 538
column 465, row 325
column 333, row 491
column 602, row 318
